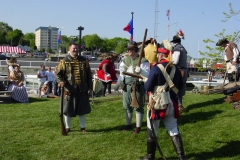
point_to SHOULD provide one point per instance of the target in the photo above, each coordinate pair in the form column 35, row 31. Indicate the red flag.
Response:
column 129, row 28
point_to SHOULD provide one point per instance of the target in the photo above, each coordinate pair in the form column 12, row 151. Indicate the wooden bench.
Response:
column 5, row 97
column 6, row 92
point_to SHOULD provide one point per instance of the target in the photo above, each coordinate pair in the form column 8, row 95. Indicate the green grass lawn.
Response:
column 209, row 127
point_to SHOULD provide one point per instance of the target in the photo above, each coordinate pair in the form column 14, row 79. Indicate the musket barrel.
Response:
column 132, row 74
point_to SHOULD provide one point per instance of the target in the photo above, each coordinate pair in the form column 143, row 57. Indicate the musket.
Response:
column 134, row 102
column 132, row 74
column 63, row 129
column 154, row 136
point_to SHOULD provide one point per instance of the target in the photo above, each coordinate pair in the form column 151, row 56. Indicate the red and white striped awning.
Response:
column 11, row 49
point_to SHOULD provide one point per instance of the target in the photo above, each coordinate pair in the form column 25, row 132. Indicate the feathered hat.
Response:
column 178, row 36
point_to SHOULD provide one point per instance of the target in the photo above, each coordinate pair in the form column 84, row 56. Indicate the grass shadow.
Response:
column 230, row 149
column 196, row 117
column 204, row 104
column 33, row 100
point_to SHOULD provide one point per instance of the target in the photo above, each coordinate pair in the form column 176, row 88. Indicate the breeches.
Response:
column 127, row 99
column 170, row 122
column 231, row 68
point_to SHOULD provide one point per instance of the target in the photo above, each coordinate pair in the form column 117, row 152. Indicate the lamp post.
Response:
column 80, row 28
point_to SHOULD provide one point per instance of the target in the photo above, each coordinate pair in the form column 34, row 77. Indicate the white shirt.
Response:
column 144, row 70
column 175, row 57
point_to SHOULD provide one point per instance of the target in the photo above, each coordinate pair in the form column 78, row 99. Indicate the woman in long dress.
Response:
column 19, row 91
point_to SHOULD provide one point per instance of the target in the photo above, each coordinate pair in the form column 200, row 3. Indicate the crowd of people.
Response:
column 47, row 84
column 164, row 78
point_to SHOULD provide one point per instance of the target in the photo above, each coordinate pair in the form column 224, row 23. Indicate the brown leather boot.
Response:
column 137, row 130
column 67, row 130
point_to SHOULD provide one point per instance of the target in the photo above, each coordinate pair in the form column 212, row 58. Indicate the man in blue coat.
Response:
column 168, row 115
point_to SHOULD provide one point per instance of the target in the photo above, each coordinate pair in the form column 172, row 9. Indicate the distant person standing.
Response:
column 56, row 90
column 106, row 73
column 179, row 58
column 42, row 77
column 51, row 79
column 231, row 54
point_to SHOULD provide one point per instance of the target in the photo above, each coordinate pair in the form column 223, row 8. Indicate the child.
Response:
column 45, row 91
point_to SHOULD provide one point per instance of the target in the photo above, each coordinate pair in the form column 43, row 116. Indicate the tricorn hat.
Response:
column 132, row 45
column 178, row 36
column 175, row 39
column 221, row 41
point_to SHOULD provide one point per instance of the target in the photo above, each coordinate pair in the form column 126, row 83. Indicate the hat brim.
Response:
column 132, row 47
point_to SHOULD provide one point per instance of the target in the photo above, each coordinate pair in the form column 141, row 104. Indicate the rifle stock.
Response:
column 134, row 102
column 63, row 129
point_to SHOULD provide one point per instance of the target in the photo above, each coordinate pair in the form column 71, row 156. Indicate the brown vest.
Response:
column 229, row 50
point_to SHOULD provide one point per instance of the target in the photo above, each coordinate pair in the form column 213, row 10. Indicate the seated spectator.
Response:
column 45, row 91
column 19, row 91
column 10, row 63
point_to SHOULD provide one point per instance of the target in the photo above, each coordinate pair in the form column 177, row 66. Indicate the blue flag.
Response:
column 59, row 37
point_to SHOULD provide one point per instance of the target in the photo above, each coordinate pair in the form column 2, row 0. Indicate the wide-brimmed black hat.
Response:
column 175, row 39
column 132, row 45
column 221, row 41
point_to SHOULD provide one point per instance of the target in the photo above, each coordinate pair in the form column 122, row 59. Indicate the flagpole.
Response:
column 132, row 26
column 168, row 28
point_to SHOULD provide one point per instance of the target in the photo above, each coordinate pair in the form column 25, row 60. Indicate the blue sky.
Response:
column 198, row 19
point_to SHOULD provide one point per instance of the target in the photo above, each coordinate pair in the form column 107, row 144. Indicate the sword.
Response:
column 154, row 136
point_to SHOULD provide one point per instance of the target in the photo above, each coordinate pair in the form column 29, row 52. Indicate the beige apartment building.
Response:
column 47, row 37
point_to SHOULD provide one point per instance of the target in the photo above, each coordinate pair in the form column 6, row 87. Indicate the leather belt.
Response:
column 230, row 60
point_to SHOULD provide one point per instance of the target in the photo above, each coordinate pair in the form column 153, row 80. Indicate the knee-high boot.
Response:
column 151, row 146
column 178, row 145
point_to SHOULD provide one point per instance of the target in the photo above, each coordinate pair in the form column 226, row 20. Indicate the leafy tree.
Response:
column 42, row 50
column 29, row 40
column 49, row 50
column 4, row 28
column 14, row 38
column 91, row 41
column 231, row 13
